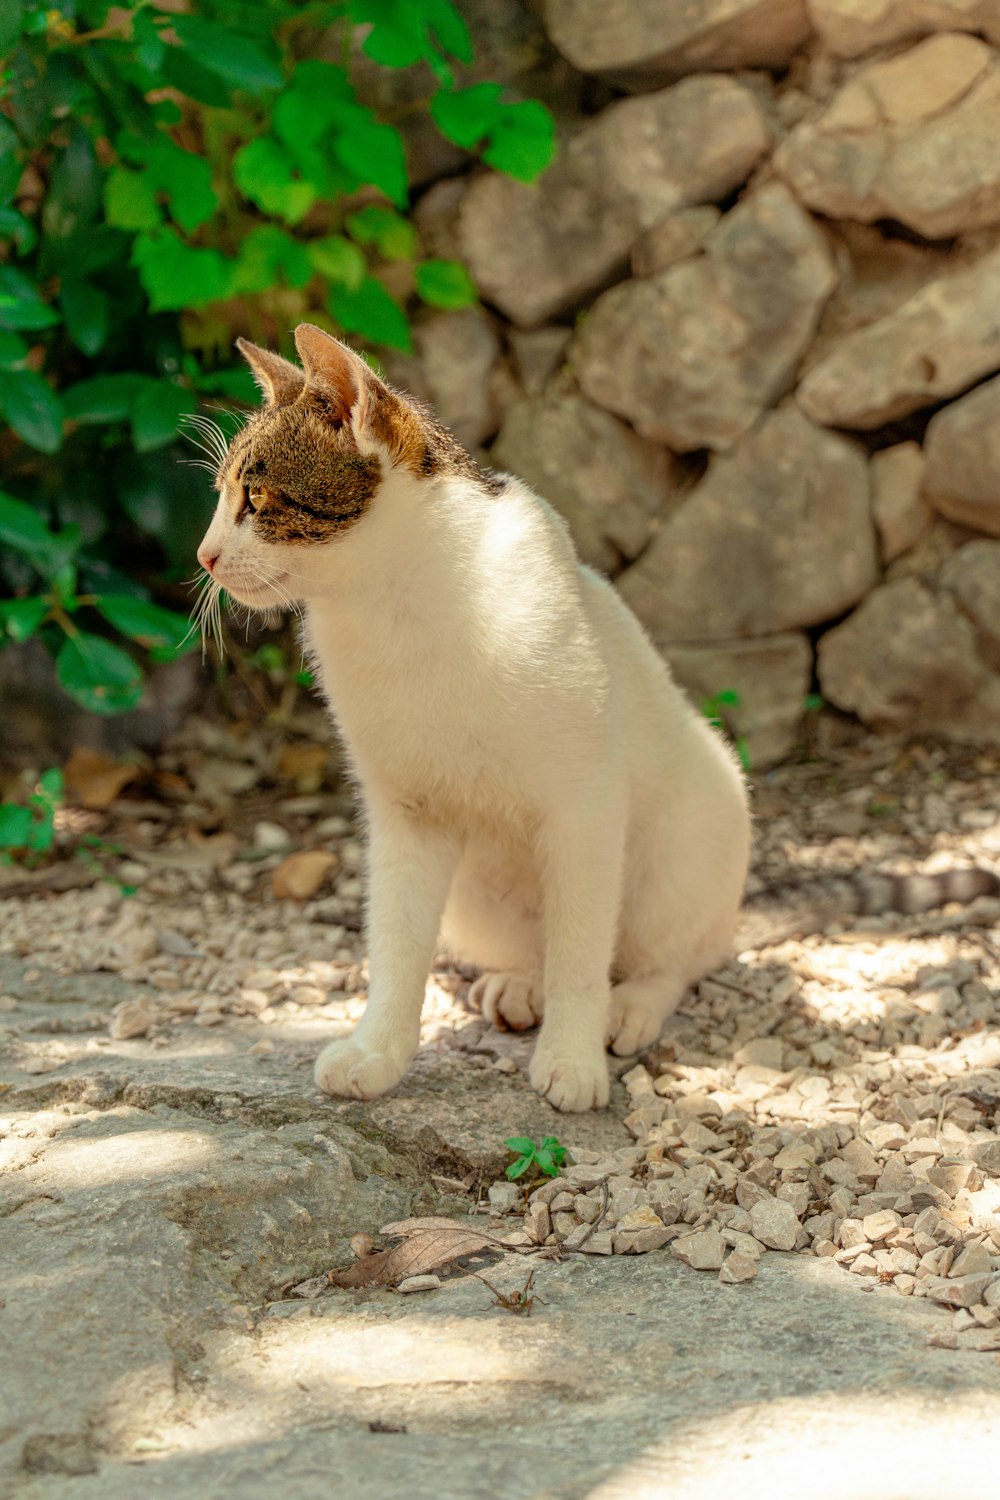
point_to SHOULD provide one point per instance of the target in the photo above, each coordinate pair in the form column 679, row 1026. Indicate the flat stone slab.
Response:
column 160, row 1199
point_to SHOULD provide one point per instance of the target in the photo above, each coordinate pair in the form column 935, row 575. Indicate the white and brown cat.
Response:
column 538, row 792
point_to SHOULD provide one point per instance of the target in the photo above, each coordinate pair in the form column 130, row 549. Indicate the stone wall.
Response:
column 745, row 334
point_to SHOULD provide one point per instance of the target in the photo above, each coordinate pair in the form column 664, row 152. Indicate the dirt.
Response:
column 170, row 1176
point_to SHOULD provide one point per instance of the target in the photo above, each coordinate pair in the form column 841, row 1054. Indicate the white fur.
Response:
column 538, row 790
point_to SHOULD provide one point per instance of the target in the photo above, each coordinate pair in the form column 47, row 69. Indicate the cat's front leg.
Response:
column 410, row 869
column 582, row 858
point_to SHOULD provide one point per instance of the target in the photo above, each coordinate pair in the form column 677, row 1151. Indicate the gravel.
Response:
column 834, row 1095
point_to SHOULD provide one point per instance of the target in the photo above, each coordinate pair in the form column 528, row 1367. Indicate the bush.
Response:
column 168, row 179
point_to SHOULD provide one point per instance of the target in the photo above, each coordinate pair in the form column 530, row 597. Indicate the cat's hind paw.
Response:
column 350, row 1071
column 639, row 1008
column 510, row 1002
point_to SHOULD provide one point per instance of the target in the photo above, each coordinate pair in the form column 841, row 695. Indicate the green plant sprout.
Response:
column 714, row 710
column 546, row 1159
column 31, row 829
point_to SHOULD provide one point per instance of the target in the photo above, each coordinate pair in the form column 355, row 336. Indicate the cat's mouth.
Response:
column 271, row 593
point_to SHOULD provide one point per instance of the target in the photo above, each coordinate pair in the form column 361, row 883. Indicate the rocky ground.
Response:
column 781, row 1245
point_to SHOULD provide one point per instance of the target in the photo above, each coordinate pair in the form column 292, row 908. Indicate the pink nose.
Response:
column 207, row 559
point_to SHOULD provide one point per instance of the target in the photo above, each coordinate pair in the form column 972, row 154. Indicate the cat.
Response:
column 538, row 791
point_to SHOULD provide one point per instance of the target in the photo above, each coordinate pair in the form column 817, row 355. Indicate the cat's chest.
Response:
column 410, row 705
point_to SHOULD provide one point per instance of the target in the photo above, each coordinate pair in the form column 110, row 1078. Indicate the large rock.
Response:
column 963, row 459
column 456, row 354
column 537, row 250
column 636, row 42
column 941, row 340
column 674, row 238
column 770, row 678
column 913, row 139
column 900, row 511
column 777, row 535
column 972, row 574
column 850, row 27
column 608, row 483
column 693, row 355
column 907, row 660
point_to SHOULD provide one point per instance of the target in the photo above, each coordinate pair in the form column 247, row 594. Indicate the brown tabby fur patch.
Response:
column 312, row 479
column 314, row 482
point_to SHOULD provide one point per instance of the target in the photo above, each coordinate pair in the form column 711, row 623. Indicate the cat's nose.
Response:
column 207, row 558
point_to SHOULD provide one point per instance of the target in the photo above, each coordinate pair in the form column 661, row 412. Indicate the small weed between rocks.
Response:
column 543, row 1161
column 30, row 830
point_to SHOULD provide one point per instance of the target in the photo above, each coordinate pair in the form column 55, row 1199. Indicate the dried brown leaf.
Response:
column 430, row 1243
column 300, row 876
column 95, row 779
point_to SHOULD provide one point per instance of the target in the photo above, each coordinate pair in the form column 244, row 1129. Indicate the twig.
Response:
column 600, row 1216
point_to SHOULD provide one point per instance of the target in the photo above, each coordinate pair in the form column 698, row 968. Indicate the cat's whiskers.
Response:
column 207, row 435
column 207, row 613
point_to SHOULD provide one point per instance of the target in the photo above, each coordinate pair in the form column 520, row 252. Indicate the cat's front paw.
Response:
column 350, row 1071
column 571, row 1084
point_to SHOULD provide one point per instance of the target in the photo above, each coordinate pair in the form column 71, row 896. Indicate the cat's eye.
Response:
column 251, row 501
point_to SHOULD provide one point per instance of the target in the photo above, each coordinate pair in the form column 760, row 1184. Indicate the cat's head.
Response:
column 309, row 468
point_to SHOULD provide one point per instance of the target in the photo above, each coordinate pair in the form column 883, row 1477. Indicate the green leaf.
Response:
column 31, row 407
column 16, row 226
column 338, row 259
column 235, row 58
column 372, row 312
column 523, row 141
column 22, row 528
column 264, row 172
column 130, row 200
column 464, row 116
column 102, row 398
column 518, row 1168
column 20, row 304
column 187, row 181
column 87, row 313
column 374, row 152
column 149, row 45
column 545, row 1163
column 445, row 283
column 268, row 256
column 394, row 236
column 313, row 101
column 64, row 586
column 11, row 160
column 10, row 23
column 73, row 199
column 15, row 826
column 22, row 617
column 186, row 74
column 398, row 34
column 238, row 384
column 13, row 350
column 156, row 412
column 450, row 29
column 97, row 674
column 176, row 275
column 51, row 786
column 149, row 624
column 521, row 1144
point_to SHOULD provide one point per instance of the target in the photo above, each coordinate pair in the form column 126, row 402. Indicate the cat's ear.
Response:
column 336, row 373
column 279, row 380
